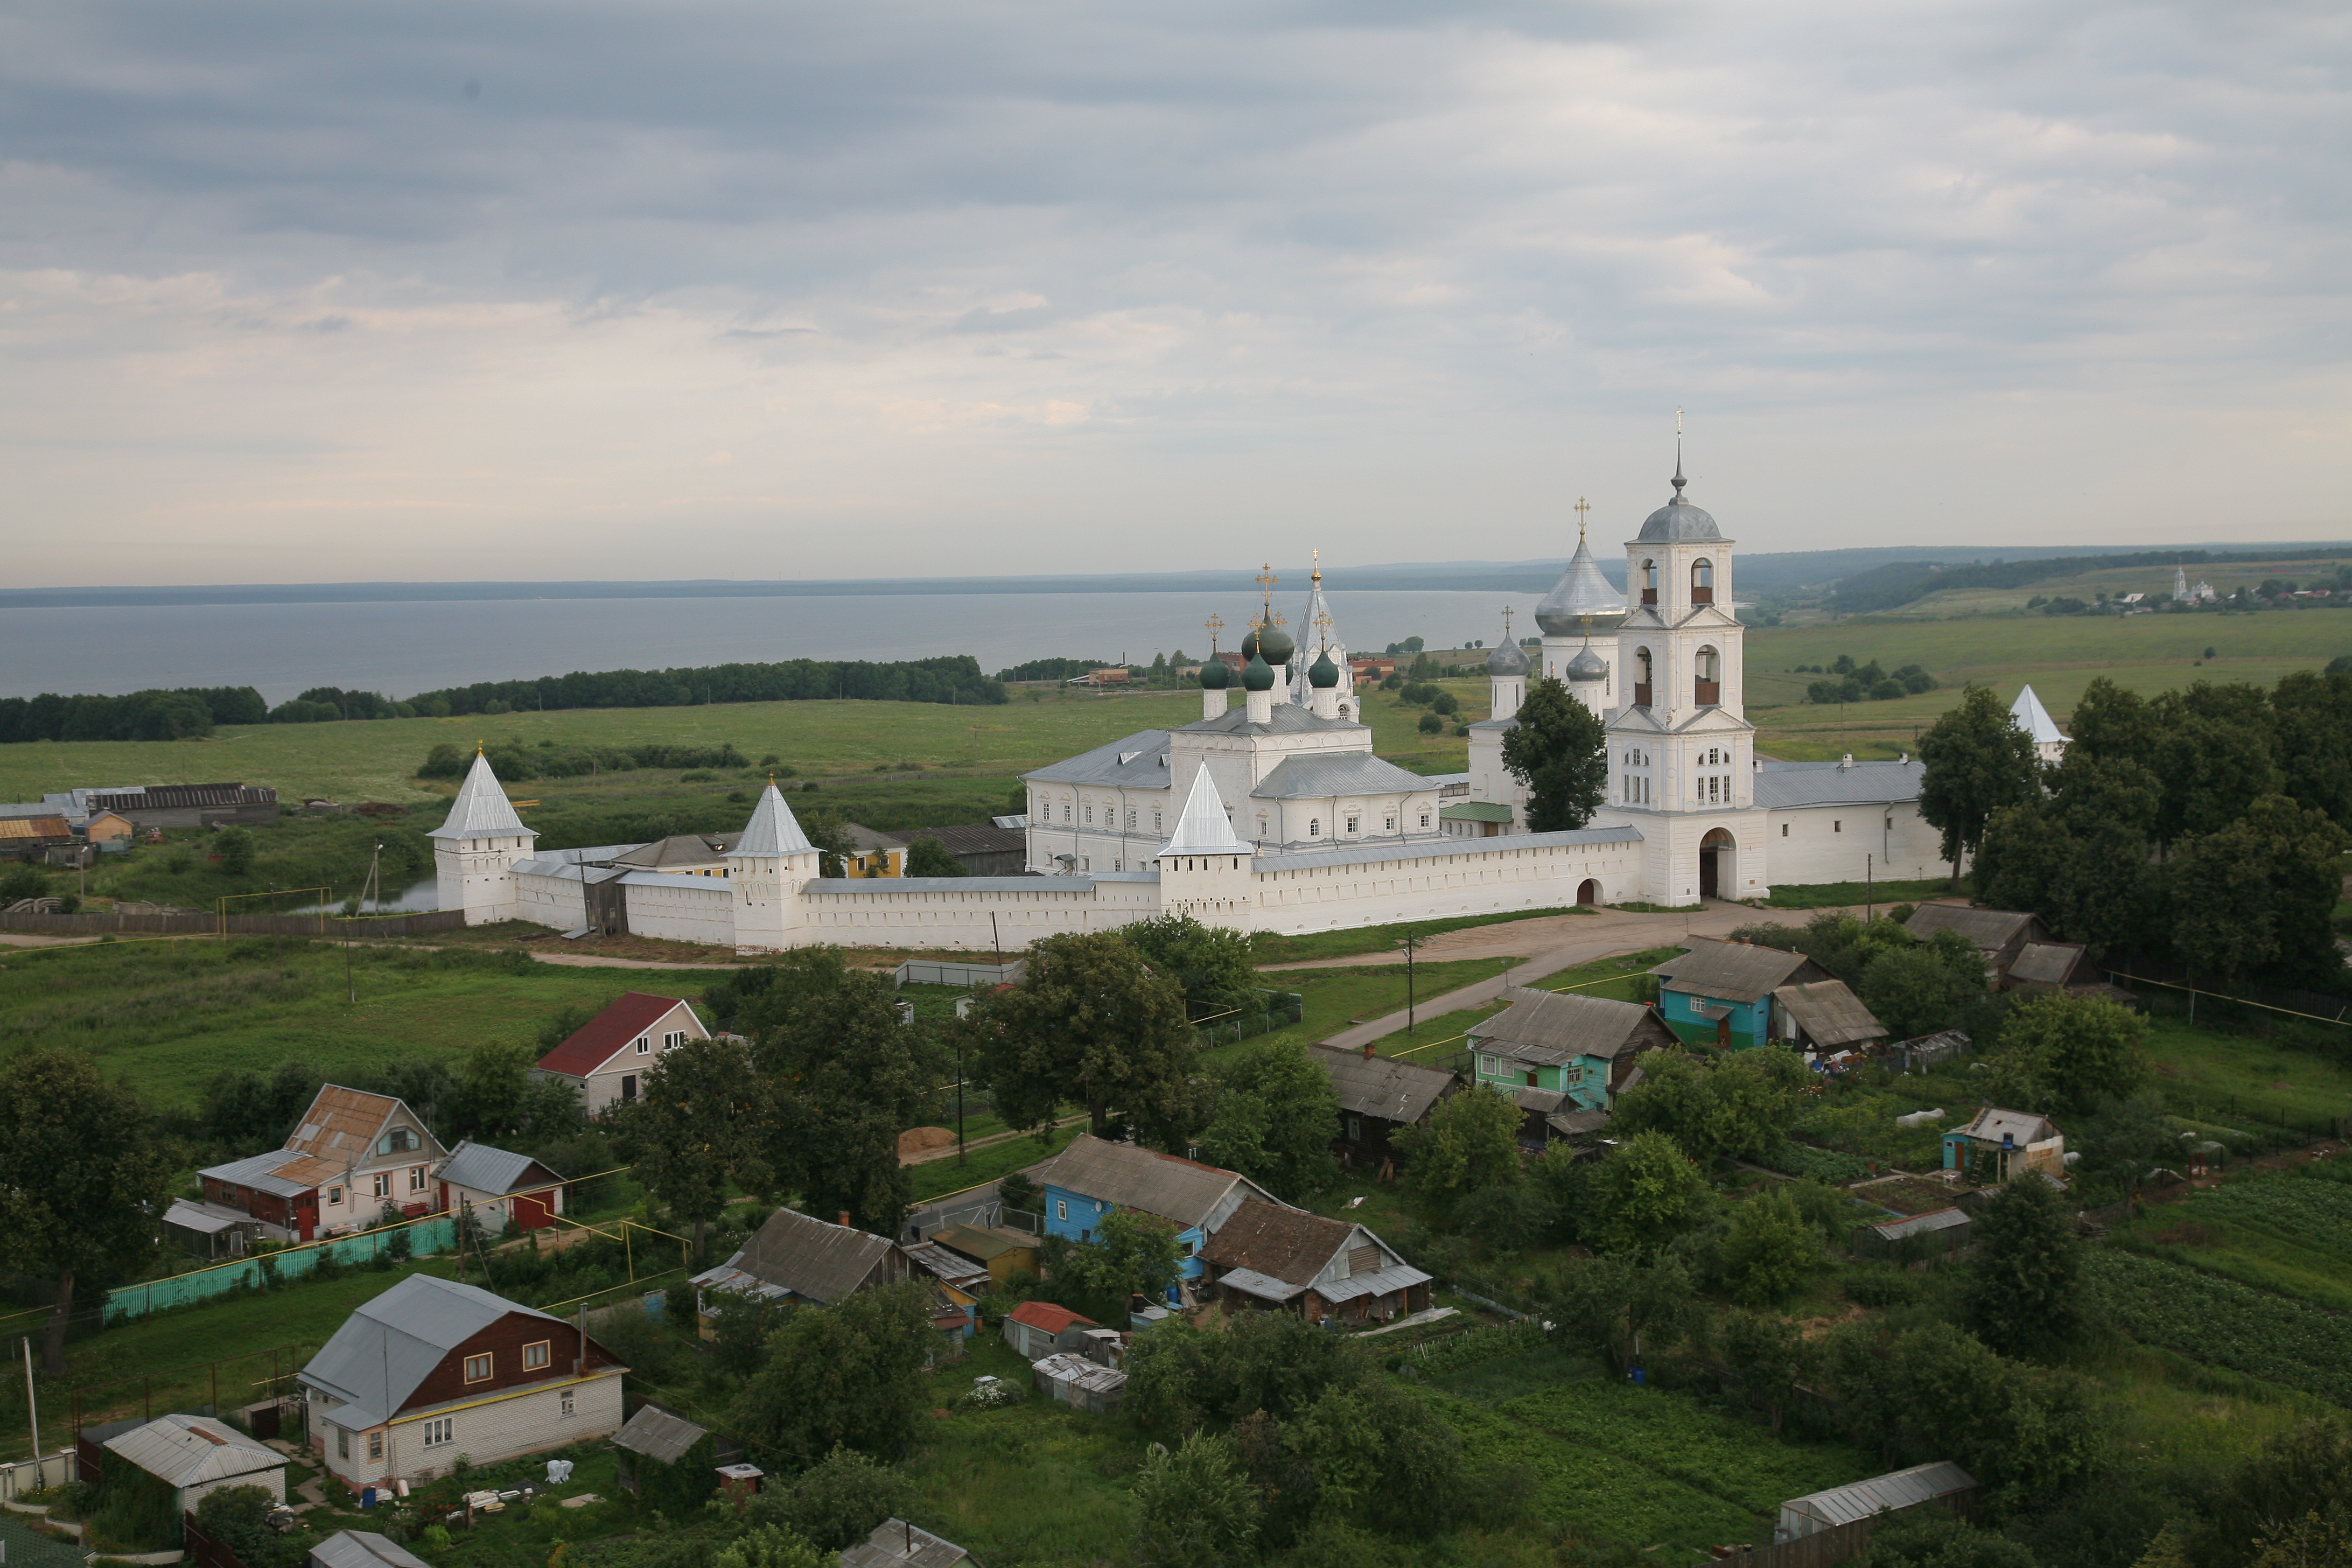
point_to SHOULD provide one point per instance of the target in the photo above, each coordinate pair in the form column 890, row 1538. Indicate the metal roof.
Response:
column 1321, row 777
column 895, row 1542
column 773, row 829
column 1679, row 521
column 1068, row 1366
column 388, row 1346
column 814, row 1259
column 35, row 827
column 1383, row 1086
column 679, row 849
column 479, row 1168
column 945, row 1264
column 1438, row 848
column 1046, row 1317
column 658, row 1435
column 1288, row 719
column 1787, row 785
column 2029, row 716
column 259, row 1172
column 628, row 1017
column 341, row 1125
column 2047, row 962
column 1079, row 884
column 363, row 1548
column 1383, row 1282
column 1203, row 828
column 1992, row 1122
column 1582, row 594
column 193, row 1451
column 1127, row 1176
column 1829, row 1012
column 205, row 1219
column 1550, row 1029
column 481, row 809
column 1475, row 811
column 1734, row 971
column 176, row 798
column 1921, row 1224
column 1134, row 761
column 1508, row 659
column 1900, row 1488
column 1265, row 1287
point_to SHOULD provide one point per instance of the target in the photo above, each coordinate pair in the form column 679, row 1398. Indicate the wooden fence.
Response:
column 198, row 923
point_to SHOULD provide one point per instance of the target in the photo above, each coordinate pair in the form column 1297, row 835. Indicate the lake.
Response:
column 401, row 649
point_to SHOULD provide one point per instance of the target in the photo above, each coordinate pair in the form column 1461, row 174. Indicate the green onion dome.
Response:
column 1323, row 674
column 1215, row 676
column 1274, row 645
column 1257, row 675
column 1249, row 645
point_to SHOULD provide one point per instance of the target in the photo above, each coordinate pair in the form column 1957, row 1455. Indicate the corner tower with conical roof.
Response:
column 1682, row 752
column 1205, row 869
column 475, row 847
column 769, row 864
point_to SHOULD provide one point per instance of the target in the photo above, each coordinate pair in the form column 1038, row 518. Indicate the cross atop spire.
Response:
column 1266, row 581
column 1583, row 506
column 1212, row 625
column 1506, row 614
column 1679, row 480
column 1317, row 574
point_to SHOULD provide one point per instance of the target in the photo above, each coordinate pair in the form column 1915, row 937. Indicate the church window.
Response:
column 1649, row 582
column 1784, row 830
column 1314, row 827
column 1130, row 816
column 1090, row 815
column 1155, row 819
column 1065, row 811
column 1352, row 824
column 1425, row 819
column 1837, row 827
column 1388, row 824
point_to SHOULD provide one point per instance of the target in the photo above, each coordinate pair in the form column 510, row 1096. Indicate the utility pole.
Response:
column 1869, row 889
column 1410, row 945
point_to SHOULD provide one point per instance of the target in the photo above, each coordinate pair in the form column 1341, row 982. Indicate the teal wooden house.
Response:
column 1720, row 992
column 1559, row 1054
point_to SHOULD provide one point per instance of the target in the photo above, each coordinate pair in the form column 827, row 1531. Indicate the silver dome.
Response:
column 1679, row 521
column 1582, row 594
column 1588, row 666
column 1508, row 659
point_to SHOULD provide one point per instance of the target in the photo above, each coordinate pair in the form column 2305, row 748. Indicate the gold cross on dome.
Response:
column 1506, row 623
column 1582, row 506
column 1267, row 579
column 1213, row 624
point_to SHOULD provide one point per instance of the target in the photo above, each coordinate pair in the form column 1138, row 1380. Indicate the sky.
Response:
column 451, row 292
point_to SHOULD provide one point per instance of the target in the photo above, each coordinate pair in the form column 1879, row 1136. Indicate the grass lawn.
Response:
column 172, row 1013
column 1335, row 997
column 1838, row 895
column 939, row 1178
column 1268, row 949
column 2283, row 1233
column 2212, row 1075
column 1612, row 977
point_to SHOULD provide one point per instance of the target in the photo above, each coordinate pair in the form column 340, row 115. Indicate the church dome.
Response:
column 1214, row 674
column 1323, row 674
column 1582, row 594
column 1274, row 644
column 1679, row 521
column 1588, row 666
column 1257, row 675
column 1249, row 645
column 1508, row 659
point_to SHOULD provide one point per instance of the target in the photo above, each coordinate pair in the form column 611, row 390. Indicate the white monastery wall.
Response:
column 1519, row 871
column 680, row 908
column 1829, row 844
column 558, row 901
column 949, row 912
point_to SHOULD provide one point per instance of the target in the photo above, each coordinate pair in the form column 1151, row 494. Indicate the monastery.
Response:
column 1276, row 816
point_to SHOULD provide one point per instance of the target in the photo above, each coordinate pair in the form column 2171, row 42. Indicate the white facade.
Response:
column 418, row 1444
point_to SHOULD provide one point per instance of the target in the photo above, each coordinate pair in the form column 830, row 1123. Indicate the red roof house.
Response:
column 1038, row 1329
column 607, row 1059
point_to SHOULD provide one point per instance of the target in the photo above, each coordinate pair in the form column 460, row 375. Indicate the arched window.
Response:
column 1314, row 827
column 1649, row 582
column 1707, row 685
column 1703, row 582
column 1640, row 678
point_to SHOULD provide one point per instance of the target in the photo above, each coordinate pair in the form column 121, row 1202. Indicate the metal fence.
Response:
column 426, row 1236
column 942, row 971
column 1273, row 1010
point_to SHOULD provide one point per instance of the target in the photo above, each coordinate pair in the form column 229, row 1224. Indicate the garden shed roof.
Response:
column 1830, row 1013
column 895, row 1542
column 2022, row 1126
column 478, row 1168
column 1990, row 930
column 659, row 1434
column 2047, row 962
column 812, row 1258
column 193, row 1451
column 1898, row 1490
column 1920, row 1223
column 363, row 1548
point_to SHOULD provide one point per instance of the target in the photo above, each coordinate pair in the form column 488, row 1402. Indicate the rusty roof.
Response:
column 1288, row 1245
column 33, row 827
column 341, row 1125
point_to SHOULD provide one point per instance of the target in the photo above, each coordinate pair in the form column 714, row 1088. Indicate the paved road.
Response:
column 1558, row 942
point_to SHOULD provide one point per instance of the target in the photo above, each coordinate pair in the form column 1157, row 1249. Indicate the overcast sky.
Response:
column 305, row 292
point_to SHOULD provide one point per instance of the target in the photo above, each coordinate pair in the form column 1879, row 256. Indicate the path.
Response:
column 1592, row 938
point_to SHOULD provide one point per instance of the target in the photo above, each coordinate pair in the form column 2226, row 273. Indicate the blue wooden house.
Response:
column 1720, row 992
column 1094, row 1177
column 1574, row 1051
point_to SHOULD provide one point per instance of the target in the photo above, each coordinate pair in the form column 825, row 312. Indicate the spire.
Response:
column 1679, row 480
column 773, row 829
column 481, row 809
column 1204, row 828
column 1583, row 506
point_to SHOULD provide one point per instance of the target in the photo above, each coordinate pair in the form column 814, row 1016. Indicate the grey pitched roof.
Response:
column 1992, row 1122
column 363, row 1548
column 1437, row 848
column 390, row 1345
column 193, row 1451
column 1288, row 719
column 1128, row 1176
column 481, row 809
column 1788, row 785
column 1735, row 971
column 1558, row 1028
column 658, row 1435
column 1203, row 828
column 1830, row 1013
column 1582, row 594
column 1321, row 777
column 2047, row 962
column 1920, row 1223
column 1990, row 930
column 812, row 1258
column 1288, row 1244
column 679, row 849
column 1383, row 1086
column 967, row 885
column 896, row 1543
column 479, row 1168
column 773, row 829
column 1132, row 762
column 255, row 1170
column 1901, row 1488
column 2032, row 718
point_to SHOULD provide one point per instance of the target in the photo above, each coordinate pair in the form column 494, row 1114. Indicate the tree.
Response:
column 847, row 1376
column 1559, row 751
column 1977, row 762
column 1470, row 1142
column 238, row 1518
column 1092, row 1022
column 1919, row 1539
column 1739, row 1106
column 1767, row 1247
column 2314, row 733
column 83, row 1178
column 1373, row 1452
column 2061, row 1053
column 929, row 857
column 1765, row 1354
column 1276, row 1114
column 1131, row 1254
column 1923, row 988
column 2124, row 1141
column 22, row 881
column 1209, row 963
column 2260, row 894
column 1644, row 1194
column 1195, row 1509
column 767, row 1546
column 2110, row 722
column 1614, row 1304
column 2025, row 1285
column 493, row 1086
column 235, row 848
column 701, row 1118
column 837, row 1504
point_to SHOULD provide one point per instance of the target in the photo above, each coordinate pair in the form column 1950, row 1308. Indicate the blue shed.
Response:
column 1720, row 992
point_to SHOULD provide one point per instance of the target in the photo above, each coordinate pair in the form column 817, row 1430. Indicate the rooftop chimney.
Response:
column 845, row 1219
column 1368, row 1050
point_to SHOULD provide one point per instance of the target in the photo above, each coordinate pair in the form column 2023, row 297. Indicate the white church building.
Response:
column 1276, row 816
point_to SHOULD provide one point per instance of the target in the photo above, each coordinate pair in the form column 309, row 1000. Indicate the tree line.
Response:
column 953, row 678
column 178, row 714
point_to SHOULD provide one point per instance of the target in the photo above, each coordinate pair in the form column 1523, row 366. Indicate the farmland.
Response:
column 2278, row 1338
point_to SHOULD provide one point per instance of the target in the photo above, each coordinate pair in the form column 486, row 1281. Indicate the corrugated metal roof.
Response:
column 941, row 1263
column 983, row 1242
column 391, row 1344
column 341, row 1125
column 1830, row 1013
column 363, row 1548
column 814, row 1259
column 658, row 1435
column 1265, row 1287
column 481, row 809
column 1046, row 1317
column 479, row 1168
column 2024, row 1126
column 1734, row 971
column 1330, row 776
column 896, row 1543
column 1084, row 883
column 612, row 1031
column 178, row 797
column 1785, row 785
column 191, row 1450
column 679, row 849
column 773, row 830
column 1440, row 848
column 1921, row 1224
column 1068, row 1366
column 1142, row 770
column 259, row 1172
column 205, row 1219
column 1124, row 1175
column 1288, row 719
column 1378, row 1282
column 1548, row 1029
column 1383, row 1086
column 1900, row 1488
column 1989, row 930
column 34, row 828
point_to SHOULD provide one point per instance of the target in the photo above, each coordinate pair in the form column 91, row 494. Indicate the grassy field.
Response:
column 1334, row 998
column 2116, row 581
column 1268, row 949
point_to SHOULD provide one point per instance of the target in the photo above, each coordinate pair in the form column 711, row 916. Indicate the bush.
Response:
column 837, row 1501
column 1431, row 724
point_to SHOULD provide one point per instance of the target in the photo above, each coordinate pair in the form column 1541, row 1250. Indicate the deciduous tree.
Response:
column 1093, row 1022
column 1978, row 763
column 2025, row 1283
column 1195, row 1509
column 1767, row 1247
column 1645, row 1193
column 1470, row 1142
column 1277, row 1113
column 1737, row 1106
column 1559, row 751
column 2061, row 1053
column 703, row 1116
column 847, row 1376
column 1209, row 963
column 929, row 857
column 83, row 1177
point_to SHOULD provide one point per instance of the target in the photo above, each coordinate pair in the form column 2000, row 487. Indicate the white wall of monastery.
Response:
column 680, row 908
column 947, row 912
column 1829, row 844
column 558, row 901
column 1519, row 871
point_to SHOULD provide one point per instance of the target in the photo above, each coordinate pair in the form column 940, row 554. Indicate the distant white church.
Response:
column 1277, row 816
